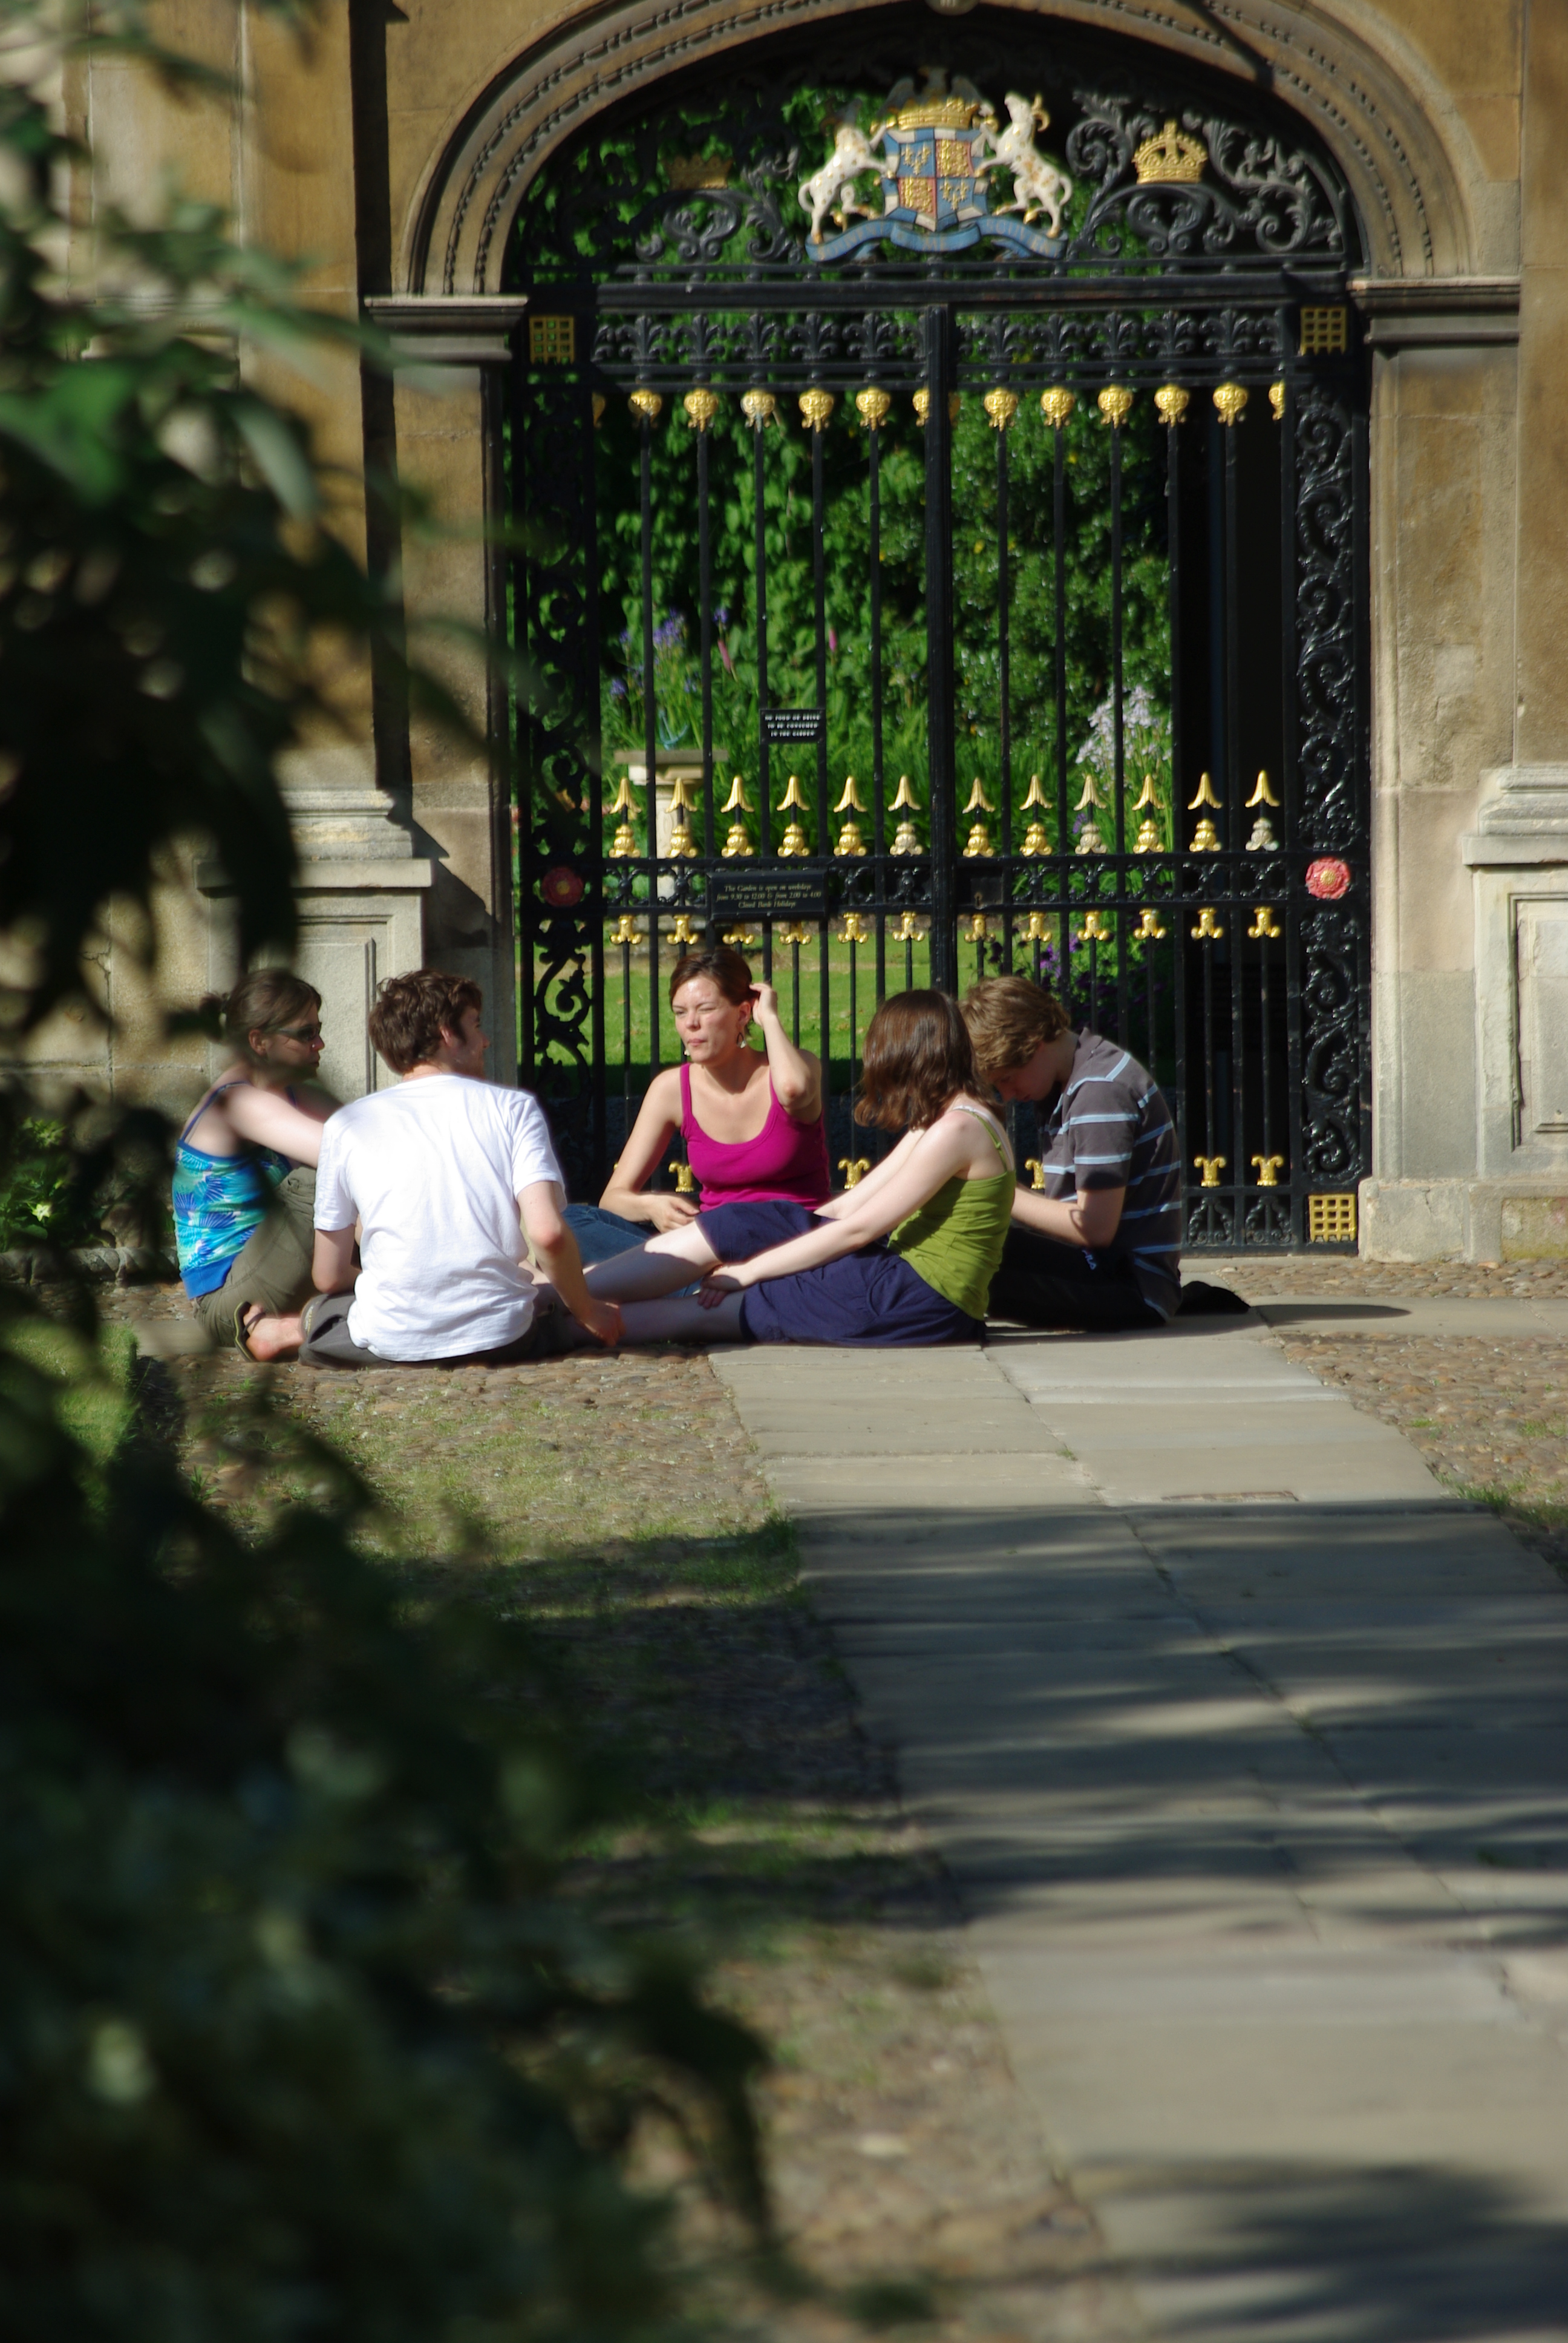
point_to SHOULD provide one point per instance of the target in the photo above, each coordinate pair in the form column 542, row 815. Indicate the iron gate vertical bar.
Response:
column 1289, row 791
column 1177, row 939
column 819, row 597
column 878, row 825
column 1234, row 828
column 650, row 737
column 939, row 356
column 764, row 782
column 587, row 443
column 1360, row 587
column 523, row 745
column 1059, row 616
column 1119, row 745
column 1004, row 671
column 705, row 589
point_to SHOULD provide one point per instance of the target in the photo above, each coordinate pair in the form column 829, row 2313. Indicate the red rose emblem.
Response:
column 562, row 888
column 1328, row 878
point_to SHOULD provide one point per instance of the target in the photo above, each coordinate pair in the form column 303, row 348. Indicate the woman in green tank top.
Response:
column 906, row 1257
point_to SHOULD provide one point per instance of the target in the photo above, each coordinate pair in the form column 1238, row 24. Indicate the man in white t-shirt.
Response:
column 443, row 1176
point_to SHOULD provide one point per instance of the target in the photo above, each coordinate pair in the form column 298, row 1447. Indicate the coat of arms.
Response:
column 938, row 147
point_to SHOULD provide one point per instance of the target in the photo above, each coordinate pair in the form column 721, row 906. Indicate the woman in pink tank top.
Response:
column 752, row 1118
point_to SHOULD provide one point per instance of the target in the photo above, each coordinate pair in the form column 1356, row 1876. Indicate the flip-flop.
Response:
column 242, row 1331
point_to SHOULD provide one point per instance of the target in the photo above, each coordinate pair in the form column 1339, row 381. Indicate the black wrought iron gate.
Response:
column 974, row 457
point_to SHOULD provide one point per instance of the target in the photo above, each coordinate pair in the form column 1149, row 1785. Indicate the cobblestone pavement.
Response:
column 909, row 2173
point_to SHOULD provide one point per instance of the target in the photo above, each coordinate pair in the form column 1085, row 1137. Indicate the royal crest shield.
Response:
column 934, row 154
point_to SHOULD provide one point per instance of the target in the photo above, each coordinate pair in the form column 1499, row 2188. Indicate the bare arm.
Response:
column 540, row 1203
column 332, row 1268
column 656, row 1121
column 795, row 1073
column 945, row 1148
column 873, row 1182
column 1090, row 1218
column 268, row 1120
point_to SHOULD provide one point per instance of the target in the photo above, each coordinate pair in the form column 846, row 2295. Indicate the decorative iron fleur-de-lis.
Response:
column 905, row 841
column 1269, row 1168
column 624, row 842
column 1211, row 1167
column 849, row 839
column 1209, row 930
column 1205, row 838
column 1264, row 927
column 739, row 839
column 681, row 842
column 794, row 837
column 1033, row 1164
column 1149, row 929
column 1035, row 840
column 921, row 403
column 1094, row 930
column 979, row 836
column 1149, row 840
column 854, row 1169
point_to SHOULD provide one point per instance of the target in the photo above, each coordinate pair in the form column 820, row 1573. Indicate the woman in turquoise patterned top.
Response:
column 244, row 1167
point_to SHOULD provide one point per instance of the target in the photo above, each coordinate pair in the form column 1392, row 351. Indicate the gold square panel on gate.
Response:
column 553, row 341
column 1325, row 332
column 1331, row 1220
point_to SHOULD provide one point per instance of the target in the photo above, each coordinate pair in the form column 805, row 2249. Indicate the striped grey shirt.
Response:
column 1110, row 1127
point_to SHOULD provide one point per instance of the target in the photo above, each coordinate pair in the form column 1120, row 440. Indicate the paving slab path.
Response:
column 1248, row 1750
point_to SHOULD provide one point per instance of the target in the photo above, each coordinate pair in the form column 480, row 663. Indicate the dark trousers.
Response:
column 328, row 1343
column 1042, row 1282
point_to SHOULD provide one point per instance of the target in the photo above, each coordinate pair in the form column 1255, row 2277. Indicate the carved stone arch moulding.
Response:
column 1361, row 103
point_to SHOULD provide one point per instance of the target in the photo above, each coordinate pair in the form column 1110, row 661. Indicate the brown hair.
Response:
column 1009, row 1018
column 723, row 963
column 264, row 1001
column 918, row 1054
column 411, row 1012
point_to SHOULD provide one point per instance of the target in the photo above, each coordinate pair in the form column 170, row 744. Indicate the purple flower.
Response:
column 617, row 689
column 722, row 617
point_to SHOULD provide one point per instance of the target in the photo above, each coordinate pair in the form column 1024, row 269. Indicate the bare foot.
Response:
column 272, row 1338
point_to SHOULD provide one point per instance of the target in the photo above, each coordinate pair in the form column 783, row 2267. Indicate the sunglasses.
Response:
column 297, row 1032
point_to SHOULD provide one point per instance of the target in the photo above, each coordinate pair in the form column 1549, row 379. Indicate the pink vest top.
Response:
column 786, row 1163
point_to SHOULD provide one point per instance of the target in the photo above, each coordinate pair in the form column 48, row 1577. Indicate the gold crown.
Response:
column 1173, row 159
column 938, row 114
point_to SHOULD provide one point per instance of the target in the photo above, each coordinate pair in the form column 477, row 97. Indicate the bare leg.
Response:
column 663, row 1265
column 684, row 1320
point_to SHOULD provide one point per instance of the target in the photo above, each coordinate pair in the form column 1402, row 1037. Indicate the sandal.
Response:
column 241, row 1331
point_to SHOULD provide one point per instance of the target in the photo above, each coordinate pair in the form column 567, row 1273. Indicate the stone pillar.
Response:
column 360, row 897
column 453, row 356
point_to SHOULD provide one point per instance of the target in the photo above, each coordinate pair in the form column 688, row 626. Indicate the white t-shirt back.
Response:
column 432, row 1170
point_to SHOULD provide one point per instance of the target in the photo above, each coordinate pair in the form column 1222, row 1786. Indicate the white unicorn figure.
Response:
column 1038, row 185
column 833, row 186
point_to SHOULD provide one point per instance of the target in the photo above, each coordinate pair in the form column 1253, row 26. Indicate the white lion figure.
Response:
column 1038, row 187
column 834, row 185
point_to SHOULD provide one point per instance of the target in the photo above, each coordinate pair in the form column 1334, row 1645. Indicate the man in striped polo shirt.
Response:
column 1099, row 1249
